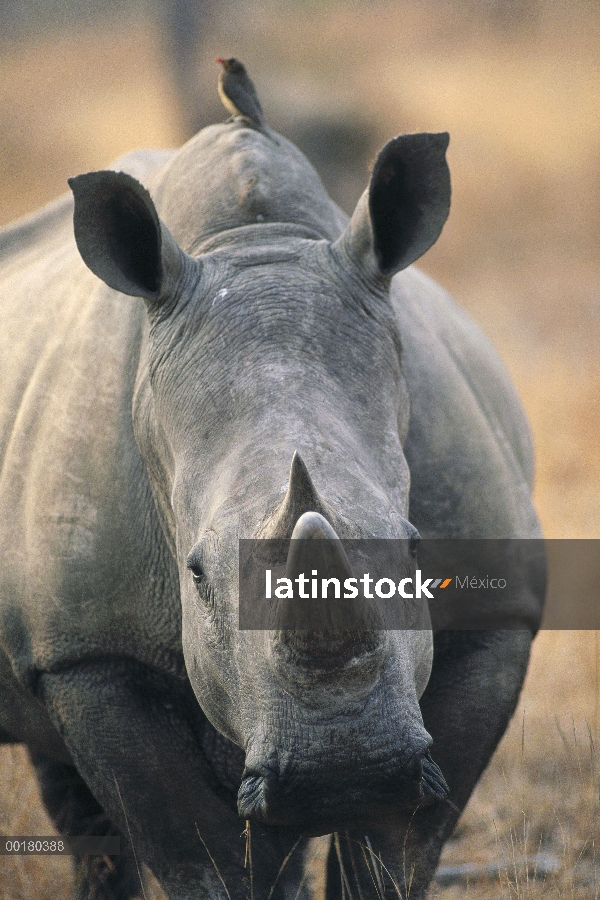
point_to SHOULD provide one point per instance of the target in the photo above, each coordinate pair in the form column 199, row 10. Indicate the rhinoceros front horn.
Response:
column 324, row 634
column 320, row 634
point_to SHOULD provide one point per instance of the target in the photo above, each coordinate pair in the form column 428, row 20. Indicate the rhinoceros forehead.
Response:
column 278, row 336
column 230, row 175
column 284, row 301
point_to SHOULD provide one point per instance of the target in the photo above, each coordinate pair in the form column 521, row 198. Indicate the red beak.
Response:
column 220, row 60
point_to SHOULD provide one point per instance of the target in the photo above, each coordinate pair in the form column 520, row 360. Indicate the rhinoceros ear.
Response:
column 121, row 238
column 402, row 212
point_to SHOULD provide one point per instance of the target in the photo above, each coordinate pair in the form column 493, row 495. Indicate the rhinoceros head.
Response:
column 270, row 402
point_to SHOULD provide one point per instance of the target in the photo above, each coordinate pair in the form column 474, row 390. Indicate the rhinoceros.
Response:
column 282, row 372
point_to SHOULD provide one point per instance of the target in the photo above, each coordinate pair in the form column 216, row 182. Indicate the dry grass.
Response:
column 519, row 251
column 541, row 790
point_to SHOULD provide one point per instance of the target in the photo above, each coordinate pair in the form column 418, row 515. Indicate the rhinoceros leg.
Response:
column 75, row 811
column 471, row 695
column 138, row 740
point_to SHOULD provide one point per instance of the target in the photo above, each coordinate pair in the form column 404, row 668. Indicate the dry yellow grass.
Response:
column 519, row 251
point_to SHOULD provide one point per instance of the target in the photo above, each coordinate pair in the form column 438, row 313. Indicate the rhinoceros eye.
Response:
column 194, row 564
column 197, row 572
column 413, row 544
column 201, row 582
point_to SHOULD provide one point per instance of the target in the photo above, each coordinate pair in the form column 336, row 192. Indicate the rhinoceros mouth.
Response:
column 313, row 806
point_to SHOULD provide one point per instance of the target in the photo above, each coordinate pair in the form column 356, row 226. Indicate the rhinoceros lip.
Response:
column 251, row 798
column 263, row 798
column 433, row 783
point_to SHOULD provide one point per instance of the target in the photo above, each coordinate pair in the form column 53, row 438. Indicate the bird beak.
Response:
column 220, row 60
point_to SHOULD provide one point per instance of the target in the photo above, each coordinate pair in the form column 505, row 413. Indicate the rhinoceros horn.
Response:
column 301, row 496
column 325, row 634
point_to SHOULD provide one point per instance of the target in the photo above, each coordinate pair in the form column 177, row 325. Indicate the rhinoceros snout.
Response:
column 297, row 801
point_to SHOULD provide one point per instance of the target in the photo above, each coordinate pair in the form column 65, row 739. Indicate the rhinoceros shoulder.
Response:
column 71, row 472
column 468, row 439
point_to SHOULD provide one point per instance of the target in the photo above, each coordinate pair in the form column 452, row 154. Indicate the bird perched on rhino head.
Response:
column 238, row 94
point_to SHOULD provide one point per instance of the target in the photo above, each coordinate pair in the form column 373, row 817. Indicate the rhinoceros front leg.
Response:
column 136, row 739
column 76, row 812
column 471, row 695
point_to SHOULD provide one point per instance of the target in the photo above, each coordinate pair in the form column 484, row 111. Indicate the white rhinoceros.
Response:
column 141, row 439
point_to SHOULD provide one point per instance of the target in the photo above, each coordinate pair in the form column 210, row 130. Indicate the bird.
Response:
column 238, row 93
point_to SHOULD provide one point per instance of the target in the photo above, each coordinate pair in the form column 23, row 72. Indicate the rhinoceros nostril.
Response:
column 433, row 783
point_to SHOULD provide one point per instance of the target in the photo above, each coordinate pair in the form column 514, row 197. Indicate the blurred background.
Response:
column 517, row 85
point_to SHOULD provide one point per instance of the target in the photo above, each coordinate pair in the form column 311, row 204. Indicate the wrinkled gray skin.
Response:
column 141, row 440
